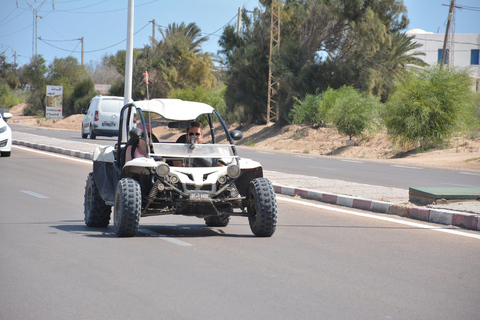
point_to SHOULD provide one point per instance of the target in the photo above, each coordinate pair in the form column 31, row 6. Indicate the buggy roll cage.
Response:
column 129, row 115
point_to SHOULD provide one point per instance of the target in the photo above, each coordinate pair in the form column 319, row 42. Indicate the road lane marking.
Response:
column 38, row 195
column 323, row 168
column 372, row 216
column 265, row 152
column 166, row 238
column 470, row 173
column 406, row 167
column 352, row 161
column 306, row 157
column 55, row 155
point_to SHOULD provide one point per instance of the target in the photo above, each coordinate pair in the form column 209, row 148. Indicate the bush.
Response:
column 308, row 111
column 428, row 106
column 213, row 97
column 351, row 112
column 8, row 98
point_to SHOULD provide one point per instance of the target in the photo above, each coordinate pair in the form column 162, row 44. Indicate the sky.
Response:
column 103, row 23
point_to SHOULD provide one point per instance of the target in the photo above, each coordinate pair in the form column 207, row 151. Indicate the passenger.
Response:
column 152, row 137
column 135, row 147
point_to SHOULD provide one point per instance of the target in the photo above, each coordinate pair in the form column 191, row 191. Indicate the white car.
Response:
column 101, row 118
column 204, row 180
column 5, row 136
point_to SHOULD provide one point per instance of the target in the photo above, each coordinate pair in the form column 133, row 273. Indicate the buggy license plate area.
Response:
column 200, row 197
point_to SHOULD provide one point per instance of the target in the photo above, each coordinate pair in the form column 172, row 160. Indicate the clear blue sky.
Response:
column 103, row 23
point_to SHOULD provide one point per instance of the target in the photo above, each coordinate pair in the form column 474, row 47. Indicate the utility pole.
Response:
column 83, row 50
column 273, row 109
column 153, row 33
column 239, row 21
column 35, row 18
column 450, row 15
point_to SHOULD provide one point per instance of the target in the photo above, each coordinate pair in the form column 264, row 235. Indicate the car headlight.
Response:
column 162, row 169
column 3, row 129
column 233, row 171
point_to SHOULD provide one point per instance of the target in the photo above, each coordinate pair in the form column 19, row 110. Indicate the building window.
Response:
column 474, row 56
column 440, row 55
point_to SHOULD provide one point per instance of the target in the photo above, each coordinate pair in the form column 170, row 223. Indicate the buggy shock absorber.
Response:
column 153, row 194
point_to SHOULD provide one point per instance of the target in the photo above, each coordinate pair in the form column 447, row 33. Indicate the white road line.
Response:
column 460, row 185
column 372, row 216
column 352, row 161
column 323, row 168
column 38, row 195
column 265, row 152
column 55, row 155
column 470, row 173
column 166, row 238
column 407, row 167
column 306, row 157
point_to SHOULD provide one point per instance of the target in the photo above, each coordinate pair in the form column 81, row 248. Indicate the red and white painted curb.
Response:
column 447, row 217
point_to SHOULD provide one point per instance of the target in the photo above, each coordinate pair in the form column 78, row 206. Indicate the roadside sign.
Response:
column 54, row 106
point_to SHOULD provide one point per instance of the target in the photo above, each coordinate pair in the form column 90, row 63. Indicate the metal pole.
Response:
column 83, row 51
column 239, row 21
column 153, row 32
column 450, row 14
column 129, row 55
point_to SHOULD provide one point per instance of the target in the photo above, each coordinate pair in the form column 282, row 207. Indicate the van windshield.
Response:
column 112, row 106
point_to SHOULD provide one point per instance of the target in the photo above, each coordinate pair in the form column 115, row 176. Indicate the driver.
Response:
column 194, row 134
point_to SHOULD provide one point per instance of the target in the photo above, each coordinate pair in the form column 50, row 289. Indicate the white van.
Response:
column 102, row 117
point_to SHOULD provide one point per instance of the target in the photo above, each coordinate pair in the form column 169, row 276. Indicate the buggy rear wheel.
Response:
column 128, row 207
column 217, row 221
column 263, row 209
column 97, row 213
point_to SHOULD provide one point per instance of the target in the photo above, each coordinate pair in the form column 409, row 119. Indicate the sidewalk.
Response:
column 379, row 199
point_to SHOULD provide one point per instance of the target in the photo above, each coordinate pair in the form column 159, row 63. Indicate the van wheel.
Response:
column 92, row 134
column 84, row 135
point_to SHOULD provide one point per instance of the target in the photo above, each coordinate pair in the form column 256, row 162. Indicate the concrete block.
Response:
column 420, row 214
column 345, row 201
column 441, row 216
column 465, row 220
column 380, row 206
column 362, row 204
column 329, row 198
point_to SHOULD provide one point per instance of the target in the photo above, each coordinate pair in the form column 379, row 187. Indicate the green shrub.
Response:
column 351, row 112
column 428, row 106
column 307, row 111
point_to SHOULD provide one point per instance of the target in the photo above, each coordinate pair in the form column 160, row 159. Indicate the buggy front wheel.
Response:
column 128, row 207
column 262, row 208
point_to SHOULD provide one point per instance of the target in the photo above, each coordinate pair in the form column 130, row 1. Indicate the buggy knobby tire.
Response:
column 263, row 207
column 217, row 221
column 97, row 213
column 128, row 207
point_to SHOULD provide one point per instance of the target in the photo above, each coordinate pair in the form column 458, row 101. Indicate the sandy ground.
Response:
column 462, row 154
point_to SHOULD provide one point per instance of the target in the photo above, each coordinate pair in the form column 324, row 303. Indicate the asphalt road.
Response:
column 322, row 263
column 353, row 170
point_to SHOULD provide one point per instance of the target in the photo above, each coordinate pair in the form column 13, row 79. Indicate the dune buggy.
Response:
column 177, row 178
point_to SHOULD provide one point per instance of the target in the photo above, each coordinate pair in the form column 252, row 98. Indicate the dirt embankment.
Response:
column 462, row 154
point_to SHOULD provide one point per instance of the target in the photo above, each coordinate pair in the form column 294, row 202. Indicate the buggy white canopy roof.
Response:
column 174, row 109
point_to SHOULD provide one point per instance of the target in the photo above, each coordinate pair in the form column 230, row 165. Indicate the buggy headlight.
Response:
column 222, row 179
column 174, row 178
column 3, row 129
column 233, row 171
column 162, row 169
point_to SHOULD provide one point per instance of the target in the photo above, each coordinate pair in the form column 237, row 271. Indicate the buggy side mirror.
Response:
column 236, row 134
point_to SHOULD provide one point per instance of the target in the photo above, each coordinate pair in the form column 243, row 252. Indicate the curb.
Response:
column 440, row 216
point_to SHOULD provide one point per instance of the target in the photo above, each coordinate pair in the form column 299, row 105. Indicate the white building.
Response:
column 465, row 51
